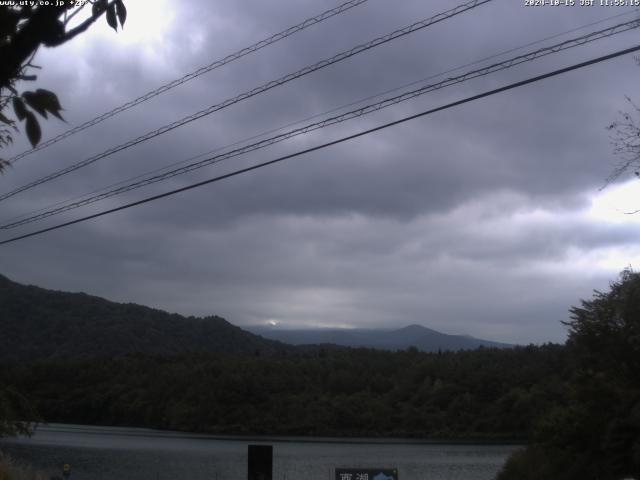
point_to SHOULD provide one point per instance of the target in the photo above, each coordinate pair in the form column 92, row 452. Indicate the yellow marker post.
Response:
column 66, row 470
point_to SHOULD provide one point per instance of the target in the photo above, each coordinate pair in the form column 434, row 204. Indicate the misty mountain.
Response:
column 37, row 323
column 423, row 338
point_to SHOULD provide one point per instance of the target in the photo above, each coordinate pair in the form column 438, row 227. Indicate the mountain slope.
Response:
column 39, row 323
column 424, row 339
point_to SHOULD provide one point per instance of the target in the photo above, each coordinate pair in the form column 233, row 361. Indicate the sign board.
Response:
column 260, row 462
column 366, row 474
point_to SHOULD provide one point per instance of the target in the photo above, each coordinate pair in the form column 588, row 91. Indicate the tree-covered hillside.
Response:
column 36, row 323
column 487, row 393
column 594, row 432
column 577, row 405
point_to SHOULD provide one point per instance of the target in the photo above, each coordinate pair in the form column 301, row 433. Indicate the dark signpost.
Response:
column 260, row 466
column 366, row 474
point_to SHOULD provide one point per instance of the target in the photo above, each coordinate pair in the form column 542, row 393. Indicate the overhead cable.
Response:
column 316, row 115
column 518, row 60
column 258, row 90
column 328, row 144
column 196, row 73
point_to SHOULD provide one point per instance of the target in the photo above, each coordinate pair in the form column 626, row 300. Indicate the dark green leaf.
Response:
column 98, row 7
column 121, row 10
column 19, row 108
column 111, row 16
column 34, row 134
column 35, row 101
column 52, row 99
column 43, row 101
column 50, row 102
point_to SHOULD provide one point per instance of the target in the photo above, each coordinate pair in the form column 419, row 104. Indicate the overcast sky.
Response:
column 485, row 219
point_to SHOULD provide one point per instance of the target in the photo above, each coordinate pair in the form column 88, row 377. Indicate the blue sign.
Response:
column 366, row 474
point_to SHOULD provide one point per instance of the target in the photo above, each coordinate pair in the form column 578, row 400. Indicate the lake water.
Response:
column 106, row 453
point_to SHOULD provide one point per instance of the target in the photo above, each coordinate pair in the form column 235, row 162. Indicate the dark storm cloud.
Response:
column 471, row 220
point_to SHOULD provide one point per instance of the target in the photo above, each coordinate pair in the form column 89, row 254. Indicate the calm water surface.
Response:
column 106, row 453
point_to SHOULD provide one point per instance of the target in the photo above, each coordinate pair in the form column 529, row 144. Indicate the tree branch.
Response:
column 68, row 19
column 80, row 28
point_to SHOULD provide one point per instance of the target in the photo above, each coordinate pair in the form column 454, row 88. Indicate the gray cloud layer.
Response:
column 474, row 220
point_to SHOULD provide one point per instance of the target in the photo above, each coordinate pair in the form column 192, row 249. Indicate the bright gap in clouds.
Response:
column 617, row 204
column 150, row 21
column 146, row 26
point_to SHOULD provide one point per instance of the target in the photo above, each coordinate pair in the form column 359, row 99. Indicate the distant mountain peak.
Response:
column 415, row 328
column 423, row 338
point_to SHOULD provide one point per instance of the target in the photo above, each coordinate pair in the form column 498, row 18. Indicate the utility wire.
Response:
column 263, row 88
column 196, row 73
column 527, row 57
column 334, row 142
column 311, row 117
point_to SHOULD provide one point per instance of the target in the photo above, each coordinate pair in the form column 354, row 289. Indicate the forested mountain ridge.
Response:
column 485, row 394
column 577, row 404
column 36, row 323
column 423, row 338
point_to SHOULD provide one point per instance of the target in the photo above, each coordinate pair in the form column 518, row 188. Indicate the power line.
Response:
column 263, row 88
column 518, row 60
column 196, row 73
column 328, row 144
column 311, row 117
column 32, row 213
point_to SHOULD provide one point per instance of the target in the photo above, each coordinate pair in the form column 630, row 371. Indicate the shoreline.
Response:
column 151, row 432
